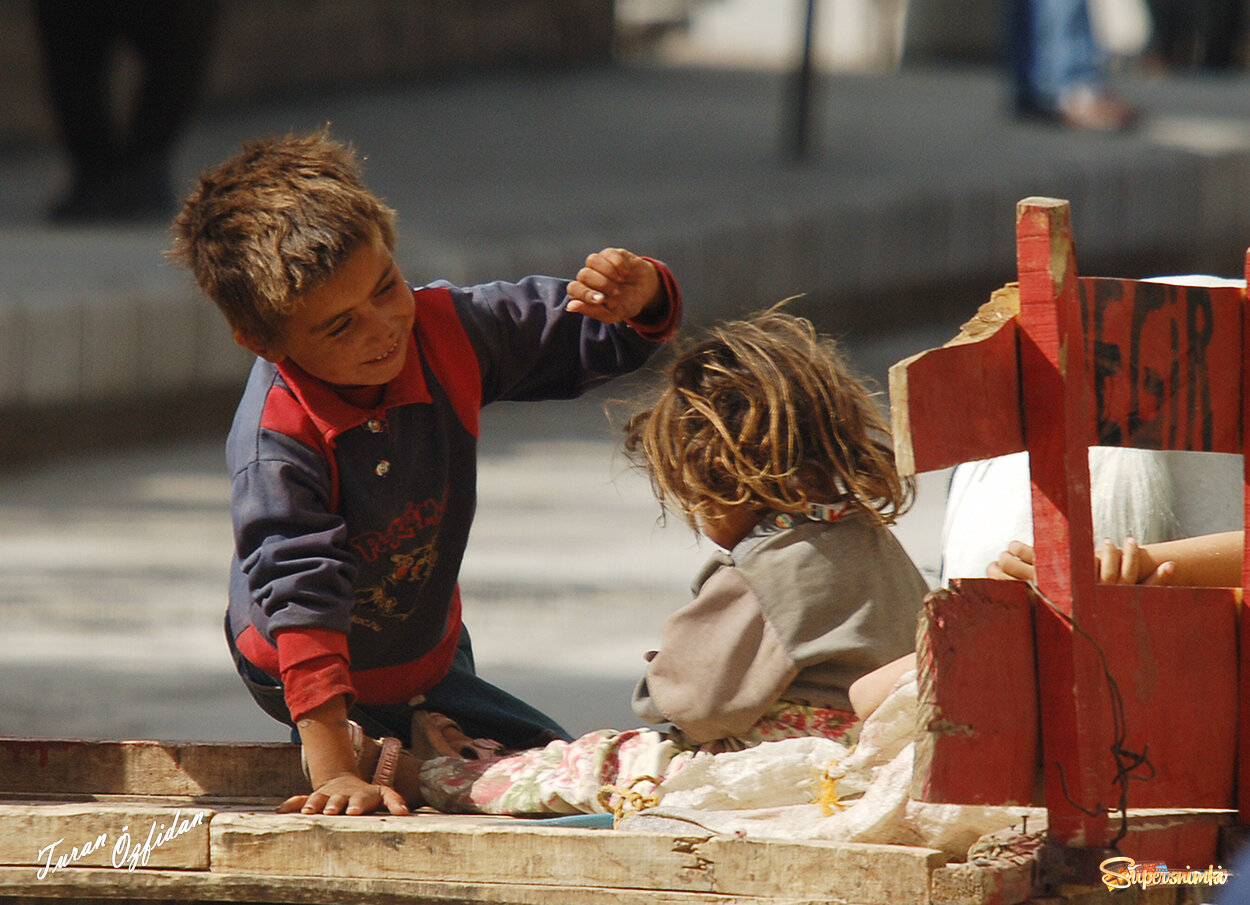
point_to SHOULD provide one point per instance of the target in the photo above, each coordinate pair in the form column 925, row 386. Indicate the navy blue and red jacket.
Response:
column 350, row 524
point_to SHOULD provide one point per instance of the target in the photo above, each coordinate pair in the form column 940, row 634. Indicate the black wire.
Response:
column 1126, row 760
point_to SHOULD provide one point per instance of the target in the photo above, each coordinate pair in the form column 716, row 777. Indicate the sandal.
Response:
column 388, row 756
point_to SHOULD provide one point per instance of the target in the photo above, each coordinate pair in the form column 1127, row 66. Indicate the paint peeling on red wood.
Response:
column 1163, row 356
column 980, row 708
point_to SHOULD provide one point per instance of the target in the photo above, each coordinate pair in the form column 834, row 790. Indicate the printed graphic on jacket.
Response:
column 378, row 598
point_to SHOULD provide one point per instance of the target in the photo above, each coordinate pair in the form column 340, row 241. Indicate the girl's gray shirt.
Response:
column 790, row 614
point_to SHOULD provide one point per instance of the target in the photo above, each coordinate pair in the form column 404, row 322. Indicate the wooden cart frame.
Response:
column 1126, row 696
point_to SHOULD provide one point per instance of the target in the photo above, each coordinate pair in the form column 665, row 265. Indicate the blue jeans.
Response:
column 481, row 709
column 1052, row 51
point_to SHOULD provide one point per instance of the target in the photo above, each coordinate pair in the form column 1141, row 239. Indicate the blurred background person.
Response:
column 120, row 149
column 1204, row 34
column 1059, row 69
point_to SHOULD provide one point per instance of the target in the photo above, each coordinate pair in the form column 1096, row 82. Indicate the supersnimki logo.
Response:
column 1122, row 872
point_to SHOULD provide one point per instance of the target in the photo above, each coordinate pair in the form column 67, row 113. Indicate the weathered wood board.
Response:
column 154, row 819
column 127, row 835
column 143, row 767
column 203, row 848
column 429, row 858
column 413, row 849
column 980, row 707
column 17, row 888
column 966, row 403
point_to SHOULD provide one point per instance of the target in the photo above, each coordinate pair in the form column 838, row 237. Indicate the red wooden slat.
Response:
column 1243, row 714
column 978, row 713
column 1163, row 360
column 1173, row 655
column 1056, row 392
column 1057, row 395
column 957, row 403
column 1243, row 728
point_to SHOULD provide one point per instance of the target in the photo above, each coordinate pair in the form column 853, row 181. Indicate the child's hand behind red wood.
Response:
column 1013, row 564
column 1131, row 564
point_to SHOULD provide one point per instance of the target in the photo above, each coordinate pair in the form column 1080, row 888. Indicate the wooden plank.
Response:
column 1179, row 715
column 52, row 837
column 958, row 403
column 1154, row 844
column 978, row 740
column 1159, row 355
column 1002, row 869
column 406, row 849
column 1162, row 359
column 1057, row 398
column 983, row 884
column 1179, row 839
column 107, row 885
column 1075, row 768
column 1058, row 428
column 78, row 767
column 1243, row 721
column 1243, row 698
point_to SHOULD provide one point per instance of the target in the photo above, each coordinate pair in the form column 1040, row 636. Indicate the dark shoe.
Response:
column 87, row 201
column 135, row 191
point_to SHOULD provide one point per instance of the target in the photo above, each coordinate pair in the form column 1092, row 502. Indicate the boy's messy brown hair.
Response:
column 274, row 222
column 763, row 412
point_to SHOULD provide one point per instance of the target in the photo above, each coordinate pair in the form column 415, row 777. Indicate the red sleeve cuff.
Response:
column 314, row 668
column 660, row 328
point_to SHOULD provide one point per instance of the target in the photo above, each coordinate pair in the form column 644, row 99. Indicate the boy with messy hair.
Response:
column 353, row 451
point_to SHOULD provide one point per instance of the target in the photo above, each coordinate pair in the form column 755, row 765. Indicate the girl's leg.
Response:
column 561, row 778
column 570, row 777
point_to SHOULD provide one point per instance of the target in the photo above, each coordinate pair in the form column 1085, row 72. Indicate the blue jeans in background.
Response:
column 1052, row 52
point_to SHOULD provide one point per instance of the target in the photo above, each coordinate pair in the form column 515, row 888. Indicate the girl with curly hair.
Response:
column 768, row 446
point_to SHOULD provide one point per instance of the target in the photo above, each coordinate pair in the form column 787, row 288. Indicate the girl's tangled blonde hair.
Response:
column 763, row 412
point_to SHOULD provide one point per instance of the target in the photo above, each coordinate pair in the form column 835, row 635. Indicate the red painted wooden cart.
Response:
column 1126, row 696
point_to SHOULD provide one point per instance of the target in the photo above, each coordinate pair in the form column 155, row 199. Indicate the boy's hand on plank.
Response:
column 348, row 795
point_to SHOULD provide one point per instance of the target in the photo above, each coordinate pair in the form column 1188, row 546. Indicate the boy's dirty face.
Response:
column 353, row 330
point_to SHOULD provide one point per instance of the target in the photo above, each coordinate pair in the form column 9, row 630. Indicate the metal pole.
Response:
column 801, row 98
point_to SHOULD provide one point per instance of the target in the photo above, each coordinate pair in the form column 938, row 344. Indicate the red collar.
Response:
column 334, row 415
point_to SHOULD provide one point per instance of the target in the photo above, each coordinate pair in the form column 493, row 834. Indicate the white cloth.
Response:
column 1143, row 494
column 769, row 791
